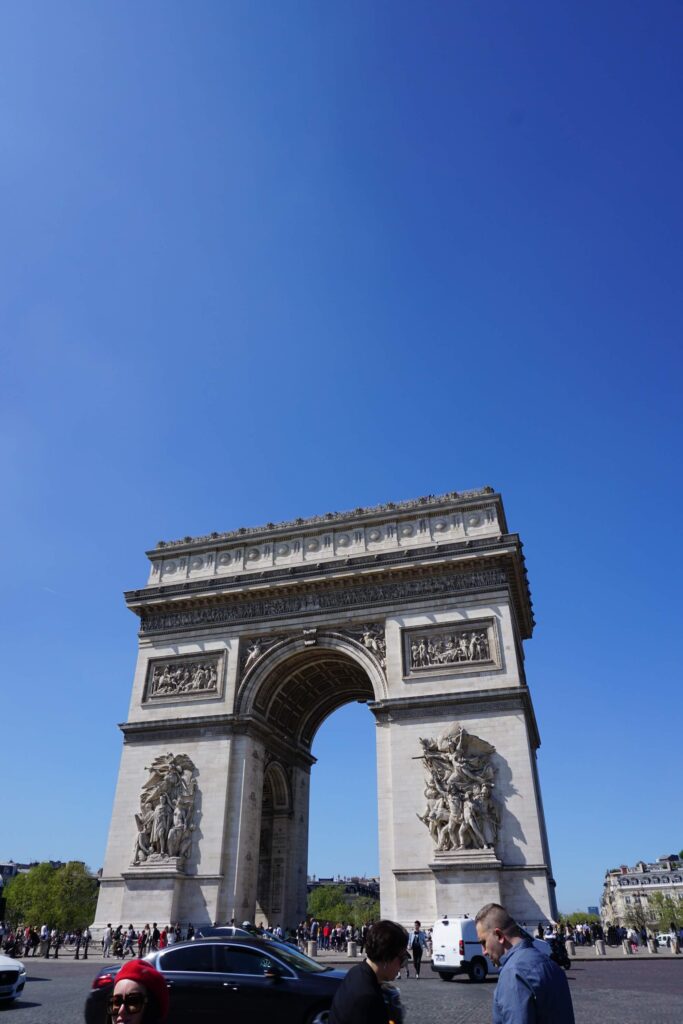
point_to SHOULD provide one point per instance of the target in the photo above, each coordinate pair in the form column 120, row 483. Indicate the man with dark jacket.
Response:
column 531, row 988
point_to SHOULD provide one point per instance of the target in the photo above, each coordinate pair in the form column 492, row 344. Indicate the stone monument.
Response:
column 250, row 639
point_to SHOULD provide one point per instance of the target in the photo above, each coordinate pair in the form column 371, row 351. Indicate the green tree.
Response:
column 665, row 910
column 64, row 897
column 363, row 910
column 327, row 903
column 75, row 896
column 30, row 897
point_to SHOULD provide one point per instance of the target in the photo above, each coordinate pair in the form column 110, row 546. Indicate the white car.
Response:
column 665, row 938
column 12, row 978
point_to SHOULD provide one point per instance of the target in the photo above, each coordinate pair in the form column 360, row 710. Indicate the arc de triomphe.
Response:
column 250, row 639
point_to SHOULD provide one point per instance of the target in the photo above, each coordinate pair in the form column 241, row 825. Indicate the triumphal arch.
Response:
column 250, row 639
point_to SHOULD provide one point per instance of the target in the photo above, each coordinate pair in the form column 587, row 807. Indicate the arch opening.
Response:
column 294, row 699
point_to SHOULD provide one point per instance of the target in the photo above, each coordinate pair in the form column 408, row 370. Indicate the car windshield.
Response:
column 299, row 961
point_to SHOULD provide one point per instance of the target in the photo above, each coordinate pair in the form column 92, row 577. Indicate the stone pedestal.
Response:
column 571, row 948
column 651, row 947
column 626, row 946
column 466, row 878
column 312, row 948
column 351, row 949
column 600, row 947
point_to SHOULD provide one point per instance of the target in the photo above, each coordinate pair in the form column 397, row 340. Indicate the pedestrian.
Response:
column 106, row 941
column 56, row 938
column 140, row 995
column 359, row 999
column 531, row 988
column 86, row 936
column 417, row 941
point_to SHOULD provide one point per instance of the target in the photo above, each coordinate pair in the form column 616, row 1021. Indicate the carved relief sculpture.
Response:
column 467, row 647
column 167, row 805
column 371, row 636
column 461, row 812
column 184, row 677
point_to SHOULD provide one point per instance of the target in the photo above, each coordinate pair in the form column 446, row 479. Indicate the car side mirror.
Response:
column 273, row 974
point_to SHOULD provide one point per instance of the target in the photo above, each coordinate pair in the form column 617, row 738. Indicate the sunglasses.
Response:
column 133, row 1002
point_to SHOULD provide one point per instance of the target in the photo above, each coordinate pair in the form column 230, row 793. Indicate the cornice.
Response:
column 452, row 499
column 143, row 731
column 470, row 701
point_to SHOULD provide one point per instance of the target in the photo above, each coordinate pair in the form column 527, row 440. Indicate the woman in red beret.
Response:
column 140, row 995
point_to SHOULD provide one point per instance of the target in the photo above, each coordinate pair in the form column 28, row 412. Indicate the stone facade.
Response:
column 627, row 891
column 249, row 640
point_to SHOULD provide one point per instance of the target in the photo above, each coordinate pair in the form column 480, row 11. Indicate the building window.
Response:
column 628, row 899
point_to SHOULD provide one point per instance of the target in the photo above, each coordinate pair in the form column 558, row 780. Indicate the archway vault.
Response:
column 297, row 685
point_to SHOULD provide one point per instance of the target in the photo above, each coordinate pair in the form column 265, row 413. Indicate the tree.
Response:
column 666, row 910
column 63, row 897
column 327, row 903
column 30, row 898
column 364, row 910
column 75, row 896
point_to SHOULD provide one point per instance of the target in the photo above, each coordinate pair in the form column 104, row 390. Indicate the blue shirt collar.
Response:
column 523, row 944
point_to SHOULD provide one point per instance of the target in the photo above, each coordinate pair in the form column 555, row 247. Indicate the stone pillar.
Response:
column 351, row 949
column 571, row 948
column 626, row 946
column 312, row 947
column 600, row 947
column 237, row 898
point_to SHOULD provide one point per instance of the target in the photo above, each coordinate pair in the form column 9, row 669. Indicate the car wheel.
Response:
column 446, row 976
column 478, row 970
column 318, row 1017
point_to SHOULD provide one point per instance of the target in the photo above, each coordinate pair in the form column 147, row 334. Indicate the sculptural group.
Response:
column 167, row 805
column 461, row 812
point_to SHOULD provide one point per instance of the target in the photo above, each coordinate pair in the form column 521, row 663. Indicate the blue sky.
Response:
column 267, row 260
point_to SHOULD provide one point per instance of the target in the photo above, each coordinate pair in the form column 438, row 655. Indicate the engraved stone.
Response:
column 461, row 813
column 165, row 823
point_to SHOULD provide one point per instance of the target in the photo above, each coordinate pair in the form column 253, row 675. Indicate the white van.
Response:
column 457, row 950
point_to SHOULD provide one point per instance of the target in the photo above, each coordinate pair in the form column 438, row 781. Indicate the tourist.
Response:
column 359, row 997
column 417, row 941
column 531, row 988
column 140, row 995
column 106, row 941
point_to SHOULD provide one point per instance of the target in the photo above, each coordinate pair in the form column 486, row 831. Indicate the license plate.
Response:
column 439, row 956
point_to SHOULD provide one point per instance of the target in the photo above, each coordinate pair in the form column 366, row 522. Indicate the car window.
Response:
column 299, row 961
column 244, row 960
column 197, row 957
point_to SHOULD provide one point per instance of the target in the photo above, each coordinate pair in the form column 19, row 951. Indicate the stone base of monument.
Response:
column 465, row 878
column 157, row 866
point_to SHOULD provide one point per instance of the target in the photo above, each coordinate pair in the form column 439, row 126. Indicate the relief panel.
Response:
column 464, row 647
column 188, row 677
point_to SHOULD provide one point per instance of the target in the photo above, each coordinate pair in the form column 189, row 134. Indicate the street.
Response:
column 604, row 992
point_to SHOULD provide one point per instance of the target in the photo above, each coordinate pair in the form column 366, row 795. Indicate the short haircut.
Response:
column 494, row 916
column 385, row 941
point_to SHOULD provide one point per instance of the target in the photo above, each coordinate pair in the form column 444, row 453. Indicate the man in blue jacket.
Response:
column 531, row 988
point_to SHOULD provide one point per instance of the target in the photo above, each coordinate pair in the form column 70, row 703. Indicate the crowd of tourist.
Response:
column 28, row 941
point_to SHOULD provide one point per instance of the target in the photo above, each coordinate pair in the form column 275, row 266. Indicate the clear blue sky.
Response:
column 267, row 260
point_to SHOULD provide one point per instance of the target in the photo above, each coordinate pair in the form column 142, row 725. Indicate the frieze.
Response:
column 466, row 646
column 399, row 506
column 184, row 678
column 433, row 586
